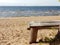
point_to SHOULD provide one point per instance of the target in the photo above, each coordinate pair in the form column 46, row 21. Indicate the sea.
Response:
column 22, row 11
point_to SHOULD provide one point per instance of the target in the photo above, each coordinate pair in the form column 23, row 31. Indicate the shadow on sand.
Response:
column 55, row 41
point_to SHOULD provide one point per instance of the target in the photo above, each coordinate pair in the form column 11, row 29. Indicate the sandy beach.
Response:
column 13, row 30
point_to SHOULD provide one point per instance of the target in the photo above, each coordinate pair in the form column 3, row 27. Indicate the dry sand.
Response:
column 13, row 31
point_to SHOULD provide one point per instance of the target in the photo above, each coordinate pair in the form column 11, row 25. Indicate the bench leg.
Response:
column 33, row 35
column 59, row 29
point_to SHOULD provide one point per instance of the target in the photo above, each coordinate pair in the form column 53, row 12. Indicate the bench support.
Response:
column 59, row 29
column 33, row 37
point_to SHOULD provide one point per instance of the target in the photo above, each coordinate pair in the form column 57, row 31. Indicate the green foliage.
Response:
column 59, row 0
column 53, row 28
column 40, row 43
column 48, row 39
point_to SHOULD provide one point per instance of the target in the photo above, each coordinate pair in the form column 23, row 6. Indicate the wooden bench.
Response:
column 34, row 26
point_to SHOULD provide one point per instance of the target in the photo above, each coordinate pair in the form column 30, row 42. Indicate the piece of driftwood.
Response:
column 34, row 26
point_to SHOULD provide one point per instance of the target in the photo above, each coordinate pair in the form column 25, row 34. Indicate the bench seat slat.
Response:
column 48, row 23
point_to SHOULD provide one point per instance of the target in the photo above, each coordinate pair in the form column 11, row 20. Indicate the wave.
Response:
column 28, row 13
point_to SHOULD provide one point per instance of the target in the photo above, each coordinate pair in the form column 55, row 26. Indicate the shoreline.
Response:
column 26, row 17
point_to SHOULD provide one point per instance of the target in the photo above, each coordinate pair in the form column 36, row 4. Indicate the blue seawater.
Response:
column 16, row 11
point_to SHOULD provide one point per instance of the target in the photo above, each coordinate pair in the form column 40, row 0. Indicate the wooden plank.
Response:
column 48, row 23
column 45, row 27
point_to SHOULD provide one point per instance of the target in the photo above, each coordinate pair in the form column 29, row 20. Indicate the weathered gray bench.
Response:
column 34, row 26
